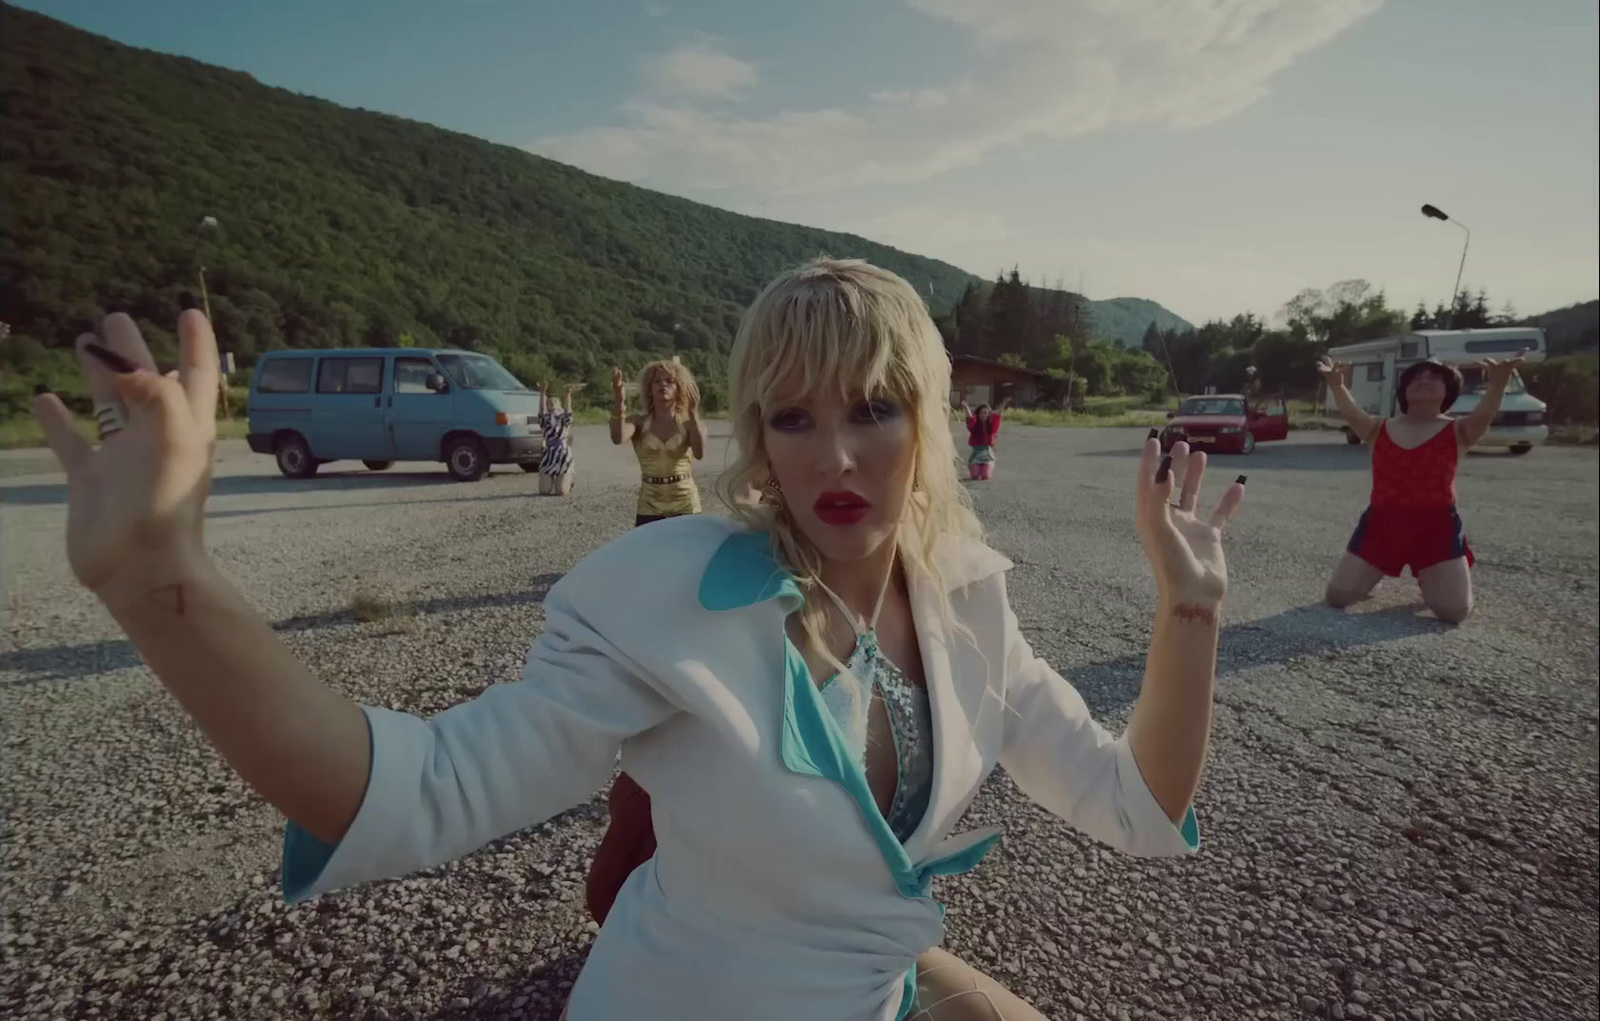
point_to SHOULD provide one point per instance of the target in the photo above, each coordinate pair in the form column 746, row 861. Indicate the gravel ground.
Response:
column 1399, row 818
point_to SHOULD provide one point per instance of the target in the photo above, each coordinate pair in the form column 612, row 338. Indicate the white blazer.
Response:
column 777, row 889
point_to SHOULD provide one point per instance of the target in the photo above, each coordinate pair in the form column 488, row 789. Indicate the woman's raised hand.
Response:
column 1184, row 549
column 1332, row 371
column 136, row 503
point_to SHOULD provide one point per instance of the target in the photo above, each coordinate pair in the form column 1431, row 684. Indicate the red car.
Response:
column 1226, row 423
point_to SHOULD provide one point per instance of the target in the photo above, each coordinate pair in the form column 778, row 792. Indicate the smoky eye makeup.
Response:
column 877, row 409
column 788, row 420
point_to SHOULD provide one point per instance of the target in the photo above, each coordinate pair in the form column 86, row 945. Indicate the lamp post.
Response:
column 209, row 223
column 1433, row 212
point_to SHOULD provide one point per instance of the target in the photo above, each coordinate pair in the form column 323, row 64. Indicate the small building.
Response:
column 981, row 381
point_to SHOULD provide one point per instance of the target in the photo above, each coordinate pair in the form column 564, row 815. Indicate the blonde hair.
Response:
column 688, row 390
column 847, row 324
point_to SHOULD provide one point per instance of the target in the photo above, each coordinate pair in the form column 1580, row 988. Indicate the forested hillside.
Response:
column 340, row 226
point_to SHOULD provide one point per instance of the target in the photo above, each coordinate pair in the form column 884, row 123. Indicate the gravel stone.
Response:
column 1398, row 818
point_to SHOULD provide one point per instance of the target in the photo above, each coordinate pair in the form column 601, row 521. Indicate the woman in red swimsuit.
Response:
column 1412, row 519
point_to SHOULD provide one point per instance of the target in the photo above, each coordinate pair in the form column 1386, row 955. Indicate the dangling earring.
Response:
column 772, row 492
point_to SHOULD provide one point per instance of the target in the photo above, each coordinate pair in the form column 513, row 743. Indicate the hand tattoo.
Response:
column 1187, row 614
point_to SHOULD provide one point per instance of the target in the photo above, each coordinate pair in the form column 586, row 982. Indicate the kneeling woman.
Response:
column 812, row 692
column 1411, row 519
column 556, row 463
column 983, row 428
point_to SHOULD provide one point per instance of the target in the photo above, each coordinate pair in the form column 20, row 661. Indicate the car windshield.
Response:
column 1211, row 406
column 478, row 372
column 1473, row 381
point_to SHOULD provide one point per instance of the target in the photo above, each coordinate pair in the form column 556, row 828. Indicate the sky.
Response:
column 1216, row 156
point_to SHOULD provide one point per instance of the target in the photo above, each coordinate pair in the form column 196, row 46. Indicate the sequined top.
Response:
column 670, row 459
column 910, row 722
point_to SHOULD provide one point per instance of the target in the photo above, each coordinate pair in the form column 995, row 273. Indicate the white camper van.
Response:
column 1376, row 366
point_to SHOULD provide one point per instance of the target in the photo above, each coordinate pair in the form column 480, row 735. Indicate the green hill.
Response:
column 1571, row 330
column 1124, row 320
column 344, row 227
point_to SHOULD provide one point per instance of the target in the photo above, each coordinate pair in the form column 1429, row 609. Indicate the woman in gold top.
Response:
column 668, row 438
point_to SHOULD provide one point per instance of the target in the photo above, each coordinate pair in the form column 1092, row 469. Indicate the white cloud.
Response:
column 1040, row 69
column 698, row 70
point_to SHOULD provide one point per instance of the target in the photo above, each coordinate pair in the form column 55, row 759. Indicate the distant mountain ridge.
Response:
column 1125, row 320
column 346, row 227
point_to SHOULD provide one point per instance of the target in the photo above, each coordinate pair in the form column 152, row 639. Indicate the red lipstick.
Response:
column 844, row 508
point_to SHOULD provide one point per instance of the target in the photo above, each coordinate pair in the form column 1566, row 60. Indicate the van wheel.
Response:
column 294, row 458
column 1249, row 445
column 379, row 466
column 466, row 459
column 1521, row 448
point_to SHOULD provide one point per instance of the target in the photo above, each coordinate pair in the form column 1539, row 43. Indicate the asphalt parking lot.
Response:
column 1399, row 820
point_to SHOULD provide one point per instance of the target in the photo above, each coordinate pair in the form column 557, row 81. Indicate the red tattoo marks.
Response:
column 1194, row 614
column 168, row 597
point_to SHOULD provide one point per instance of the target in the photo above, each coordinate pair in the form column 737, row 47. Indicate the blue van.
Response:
column 382, row 405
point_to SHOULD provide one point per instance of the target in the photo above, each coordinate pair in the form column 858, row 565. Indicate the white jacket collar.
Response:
column 744, row 571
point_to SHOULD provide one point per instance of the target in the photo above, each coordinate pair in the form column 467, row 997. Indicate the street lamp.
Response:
column 1433, row 212
column 206, row 223
column 209, row 223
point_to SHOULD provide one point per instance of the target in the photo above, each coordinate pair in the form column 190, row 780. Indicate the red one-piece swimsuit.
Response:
column 1412, row 519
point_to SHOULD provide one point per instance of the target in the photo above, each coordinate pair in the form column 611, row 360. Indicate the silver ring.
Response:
column 109, row 419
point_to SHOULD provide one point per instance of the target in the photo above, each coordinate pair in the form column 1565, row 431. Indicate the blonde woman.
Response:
column 667, row 438
column 812, row 692
column 556, row 464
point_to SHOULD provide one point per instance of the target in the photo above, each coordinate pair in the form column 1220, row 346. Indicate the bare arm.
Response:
column 1476, row 425
column 304, row 747
column 135, row 538
column 696, row 430
column 1360, row 423
column 1171, row 723
column 622, row 427
column 697, row 436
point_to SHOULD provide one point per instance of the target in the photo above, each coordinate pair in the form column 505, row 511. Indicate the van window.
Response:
column 1408, row 348
column 411, row 375
column 1475, row 381
column 350, row 376
column 1490, row 346
column 284, row 376
column 1374, row 372
column 478, row 372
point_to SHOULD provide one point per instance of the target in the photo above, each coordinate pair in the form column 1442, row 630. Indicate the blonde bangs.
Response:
column 822, row 337
column 846, row 324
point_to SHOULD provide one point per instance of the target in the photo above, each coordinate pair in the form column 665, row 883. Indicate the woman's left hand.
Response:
column 1184, row 549
column 1498, row 371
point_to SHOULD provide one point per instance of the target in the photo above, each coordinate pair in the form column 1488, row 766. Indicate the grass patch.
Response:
column 370, row 606
column 24, row 431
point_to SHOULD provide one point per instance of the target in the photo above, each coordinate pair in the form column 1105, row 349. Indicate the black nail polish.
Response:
column 1165, row 469
column 1240, row 480
column 1153, row 434
column 110, row 359
column 40, row 389
column 186, row 301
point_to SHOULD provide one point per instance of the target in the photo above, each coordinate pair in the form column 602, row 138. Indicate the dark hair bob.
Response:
column 1448, row 373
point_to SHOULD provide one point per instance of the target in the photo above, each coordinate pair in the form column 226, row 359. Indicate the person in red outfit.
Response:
column 983, row 427
column 1411, row 520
